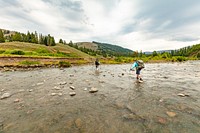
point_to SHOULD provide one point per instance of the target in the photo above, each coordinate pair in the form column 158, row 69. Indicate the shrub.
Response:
column 17, row 52
column 181, row 58
column 2, row 51
column 26, row 62
column 64, row 64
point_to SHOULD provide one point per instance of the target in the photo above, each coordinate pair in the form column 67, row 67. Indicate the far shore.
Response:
column 8, row 63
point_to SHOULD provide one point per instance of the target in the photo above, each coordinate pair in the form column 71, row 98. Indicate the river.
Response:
column 168, row 101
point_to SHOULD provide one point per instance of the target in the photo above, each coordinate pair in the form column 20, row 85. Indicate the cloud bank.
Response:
column 134, row 24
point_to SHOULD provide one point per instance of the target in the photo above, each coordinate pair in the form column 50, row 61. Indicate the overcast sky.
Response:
column 145, row 25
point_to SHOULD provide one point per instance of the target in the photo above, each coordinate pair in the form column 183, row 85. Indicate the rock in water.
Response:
column 5, row 95
column 16, row 100
column 78, row 123
column 53, row 94
column 72, row 93
column 171, row 114
column 93, row 90
column 183, row 95
column 57, row 88
column 63, row 83
column 72, row 87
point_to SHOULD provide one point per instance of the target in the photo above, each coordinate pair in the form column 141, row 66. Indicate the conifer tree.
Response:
column 61, row 41
column 2, row 39
column 17, row 37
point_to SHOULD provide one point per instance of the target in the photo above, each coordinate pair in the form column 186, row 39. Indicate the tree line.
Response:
column 30, row 37
column 106, row 50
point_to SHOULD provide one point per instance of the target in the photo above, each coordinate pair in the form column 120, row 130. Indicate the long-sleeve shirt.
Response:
column 135, row 65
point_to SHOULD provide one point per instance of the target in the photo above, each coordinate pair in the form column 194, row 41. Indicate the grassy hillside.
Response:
column 30, row 49
column 194, row 50
column 88, row 45
column 113, row 50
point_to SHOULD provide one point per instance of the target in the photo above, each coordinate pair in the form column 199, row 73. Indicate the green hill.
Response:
column 113, row 50
column 30, row 49
column 190, row 51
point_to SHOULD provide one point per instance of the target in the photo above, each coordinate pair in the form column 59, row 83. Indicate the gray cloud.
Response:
column 167, row 20
column 165, row 10
column 184, row 38
column 165, row 15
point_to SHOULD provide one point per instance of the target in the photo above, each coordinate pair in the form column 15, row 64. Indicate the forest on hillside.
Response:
column 104, row 49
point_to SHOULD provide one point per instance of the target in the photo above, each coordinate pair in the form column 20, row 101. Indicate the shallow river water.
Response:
column 168, row 101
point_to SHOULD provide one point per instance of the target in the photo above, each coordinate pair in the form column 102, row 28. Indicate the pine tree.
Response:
column 41, row 39
column 45, row 40
column 17, row 37
column 61, row 41
column 36, row 37
column 28, row 37
column 2, row 39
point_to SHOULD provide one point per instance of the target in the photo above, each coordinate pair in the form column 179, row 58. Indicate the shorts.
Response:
column 138, row 71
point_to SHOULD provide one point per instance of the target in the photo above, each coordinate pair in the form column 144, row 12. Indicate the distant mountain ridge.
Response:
column 113, row 49
column 159, row 51
column 105, row 48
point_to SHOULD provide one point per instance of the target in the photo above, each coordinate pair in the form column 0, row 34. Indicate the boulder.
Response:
column 93, row 90
column 72, row 93
column 5, row 95
column 72, row 87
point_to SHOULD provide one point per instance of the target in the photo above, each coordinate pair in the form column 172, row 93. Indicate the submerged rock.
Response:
column 60, row 94
column 71, row 75
column 63, row 83
column 93, row 90
column 171, row 114
column 78, row 123
column 16, row 100
column 162, row 120
column 5, row 95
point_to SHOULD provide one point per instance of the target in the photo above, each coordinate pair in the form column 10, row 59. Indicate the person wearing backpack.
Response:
column 97, row 63
column 139, row 65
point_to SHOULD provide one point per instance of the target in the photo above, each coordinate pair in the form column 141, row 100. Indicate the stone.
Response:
column 72, row 87
column 93, row 90
column 162, row 120
column 53, row 94
column 71, row 75
column 16, row 100
column 5, row 95
column 63, row 83
column 57, row 88
column 171, row 114
column 40, row 83
column 183, row 95
column 101, row 81
column 30, row 90
column 85, row 89
column 78, row 123
column 72, row 93
column 60, row 94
